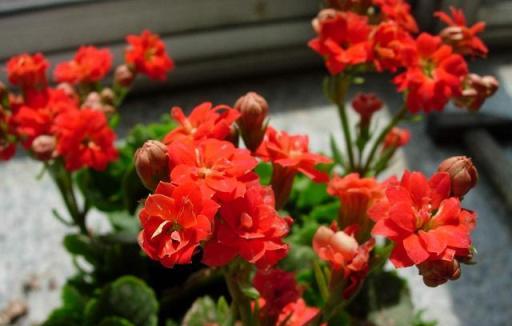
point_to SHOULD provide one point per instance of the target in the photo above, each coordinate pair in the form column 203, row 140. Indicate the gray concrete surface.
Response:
column 30, row 237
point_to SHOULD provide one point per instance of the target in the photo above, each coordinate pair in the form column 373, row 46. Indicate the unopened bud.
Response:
column 107, row 96
column 366, row 104
column 68, row 89
column 322, row 15
column 43, row 147
column 397, row 137
column 438, row 272
column 92, row 101
column 124, row 76
column 476, row 90
column 3, row 90
column 253, row 110
column 463, row 174
column 152, row 163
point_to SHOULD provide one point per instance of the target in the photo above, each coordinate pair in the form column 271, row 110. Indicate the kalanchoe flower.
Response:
column 175, row 220
column 437, row 272
column 252, row 122
column 423, row 221
column 297, row 314
column 250, row 228
column 289, row 155
column 217, row 166
column 204, row 122
column 28, row 71
column 348, row 259
column 356, row 195
column 147, row 54
column 84, row 139
column 398, row 11
column 462, row 172
column 277, row 289
column 366, row 104
column 342, row 39
column 396, row 138
column 461, row 37
column 43, row 147
column 434, row 74
column 31, row 122
column 152, row 163
column 89, row 65
column 388, row 41
column 476, row 90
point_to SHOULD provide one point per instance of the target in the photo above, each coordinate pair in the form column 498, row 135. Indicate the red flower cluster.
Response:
column 398, row 11
column 28, row 71
column 84, row 139
column 146, row 54
column 346, row 256
column 89, row 65
column 280, row 301
column 423, row 221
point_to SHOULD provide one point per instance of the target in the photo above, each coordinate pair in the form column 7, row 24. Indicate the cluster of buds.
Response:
column 476, row 90
column 103, row 101
column 252, row 123
column 437, row 272
column 463, row 174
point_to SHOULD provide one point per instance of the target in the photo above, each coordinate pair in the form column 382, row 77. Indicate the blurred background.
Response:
column 223, row 49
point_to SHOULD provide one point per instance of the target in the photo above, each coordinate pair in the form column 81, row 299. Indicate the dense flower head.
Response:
column 345, row 255
column 342, row 39
column 204, row 122
column 28, row 71
column 147, row 54
column 388, row 41
column 434, row 74
column 297, row 314
column 461, row 37
column 175, row 220
column 31, row 122
column 356, row 195
column 292, row 152
column 217, row 166
column 397, row 137
column 277, row 289
column 250, row 228
column 89, row 65
column 398, row 11
column 84, row 139
column 422, row 220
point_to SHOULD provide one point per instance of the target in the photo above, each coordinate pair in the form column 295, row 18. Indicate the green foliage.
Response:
column 205, row 311
column 264, row 171
column 71, row 312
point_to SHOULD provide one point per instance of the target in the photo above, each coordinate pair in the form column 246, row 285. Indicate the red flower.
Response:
column 28, row 71
column 175, row 219
column 398, row 11
column 388, row 41
column 205, row 121
column 421, row 219
column 434, row 74
column 356, row 195
column 89, row 65
column 250, row 228
column 297, row 314
column 346, row 256
column 146, row 52
column 366, row 104
column 277, row 288
column 342, row 39
column 84, row 139
column 462, row 38
column 35, row 121
column 292, row 152
column 397, row 137
column 217, row 166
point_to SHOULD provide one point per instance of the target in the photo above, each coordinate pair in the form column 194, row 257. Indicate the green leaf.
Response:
column 336, row 152
column 125, row 223
column 115, row 321
column 202, row 312
column 326, row 213
column 264, row 171
column 312, row 195
column 249, row 291
column 80, row 245
column 71, row 312
column 133, row 190
column 128, row 297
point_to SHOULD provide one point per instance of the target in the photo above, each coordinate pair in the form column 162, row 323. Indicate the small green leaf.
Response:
column 336, row 152
column 80, row 245
column 264, row 171
column 202, row 312
column 249, row 291
column 115, row 321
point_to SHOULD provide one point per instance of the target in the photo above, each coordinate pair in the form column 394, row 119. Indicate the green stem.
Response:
column 240, row 301
column 341, row 85
column 396, row 119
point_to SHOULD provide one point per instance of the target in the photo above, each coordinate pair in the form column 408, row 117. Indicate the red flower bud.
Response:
column 92, row 101
column 152, row 163
column 43, row 147
column 68, row 89
column 322, row 15
column 366, row 104
column 476, row 90
column 397, row 137
column 253, row 109
column 107, row 96
column 437, row 272
column 124, row 76
column 463, row 174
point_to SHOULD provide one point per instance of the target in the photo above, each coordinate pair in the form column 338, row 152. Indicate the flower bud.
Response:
column 68, row 89
column 438, row 272
column 107, row 96
column 92, row 101
column 397, row 137
column 43, row 147
column 366, row 104
column 476, row 90
column 152, row 163
column 253, row 109
column 463, row 174
column 124, row 76
column 322, row 15
column 3, row 90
